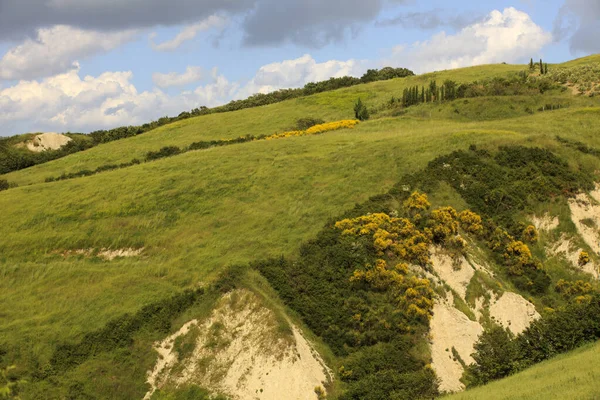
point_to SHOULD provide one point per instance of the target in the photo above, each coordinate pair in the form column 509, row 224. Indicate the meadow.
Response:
column 196, row 213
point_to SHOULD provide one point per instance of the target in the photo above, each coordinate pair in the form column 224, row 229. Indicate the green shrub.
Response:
column 303, row 124
column 360, row 111
column 166, row 151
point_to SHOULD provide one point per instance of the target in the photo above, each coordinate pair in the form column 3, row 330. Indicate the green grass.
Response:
column 201, row 211
column 575, row 375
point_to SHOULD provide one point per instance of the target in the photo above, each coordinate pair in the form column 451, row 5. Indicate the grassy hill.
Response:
column 195, row 214
column 570, row 376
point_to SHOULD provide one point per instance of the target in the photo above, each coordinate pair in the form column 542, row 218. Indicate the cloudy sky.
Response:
column 81, row 65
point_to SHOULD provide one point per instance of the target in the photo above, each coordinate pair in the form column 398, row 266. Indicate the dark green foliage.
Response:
column 87, row 172
column 303, row 124
column 119, row 332
column 384, row 74
column 579, row 146
column 516, row 178
column 166, row 151
column 4, row 184
column 360, row 111
column 495, row 356
column 558, row 332
column 531, row 65
column 216, row 143
column 13, row 159
column 362, row 326
column 518, row 84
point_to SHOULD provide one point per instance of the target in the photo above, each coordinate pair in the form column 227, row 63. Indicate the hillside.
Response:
column 573, row 375
column 105, row 253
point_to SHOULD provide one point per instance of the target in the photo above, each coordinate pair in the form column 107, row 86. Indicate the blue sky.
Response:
column 81, row 65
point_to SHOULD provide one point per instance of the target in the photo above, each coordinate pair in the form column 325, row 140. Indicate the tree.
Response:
column 531, row 66
column 495, row 356
column 541, row 67
column 360, row 111
column 545, row 68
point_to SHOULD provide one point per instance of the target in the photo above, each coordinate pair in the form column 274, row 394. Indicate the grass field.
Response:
column 201, row 211
column 575, row 375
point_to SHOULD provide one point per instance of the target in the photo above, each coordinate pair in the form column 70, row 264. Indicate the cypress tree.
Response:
column 531, row 64
column 541, row 67
column 422, row 94
column 545, row 68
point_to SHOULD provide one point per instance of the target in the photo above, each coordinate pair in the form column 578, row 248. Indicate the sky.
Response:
column 84, row 65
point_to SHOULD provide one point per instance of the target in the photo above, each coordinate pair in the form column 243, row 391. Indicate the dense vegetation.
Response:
column 353, row 286
column 499, row 354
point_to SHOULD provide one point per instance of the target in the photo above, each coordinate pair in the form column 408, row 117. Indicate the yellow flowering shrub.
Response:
column 286, row 134
column 417, row 202
column 470, row 222
column 530, row 234
column 573, row 289
column 583, row 259
column 444, row 223
column 518, row 256
column 332, row 126
column 317, row 129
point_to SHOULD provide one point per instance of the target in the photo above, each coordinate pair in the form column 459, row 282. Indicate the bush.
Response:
column 360, row 111
column 304, row 123
column 166, row 151
column 4, row 184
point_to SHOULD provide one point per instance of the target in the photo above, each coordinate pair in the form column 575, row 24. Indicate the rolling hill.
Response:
column 83, row 258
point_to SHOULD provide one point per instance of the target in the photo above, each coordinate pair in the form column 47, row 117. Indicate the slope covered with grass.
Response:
column 192, row 215
column 574, row 375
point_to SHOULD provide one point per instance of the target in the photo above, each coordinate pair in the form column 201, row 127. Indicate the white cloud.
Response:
column 298, row 72
column 188, row 33
column 191, row 74
column 56, row 50
column 70, row 102
column 507, row 36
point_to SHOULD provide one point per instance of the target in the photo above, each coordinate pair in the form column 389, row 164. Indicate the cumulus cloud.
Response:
column 56, row 49
column 507, row 36
column 69, row 102
column 579, row 22
column 298, row 72
column 191, row 74
column 188, row 33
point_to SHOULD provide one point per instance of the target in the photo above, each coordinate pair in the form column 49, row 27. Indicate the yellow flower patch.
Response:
column 317, row 129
